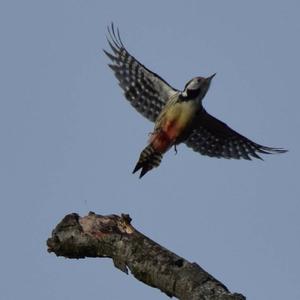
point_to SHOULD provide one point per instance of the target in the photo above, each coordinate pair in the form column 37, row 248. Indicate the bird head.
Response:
column 197, row 87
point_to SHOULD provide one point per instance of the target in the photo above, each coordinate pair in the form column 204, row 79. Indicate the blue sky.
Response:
column 69, row 141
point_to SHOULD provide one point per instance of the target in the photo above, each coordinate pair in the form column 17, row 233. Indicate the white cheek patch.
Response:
column 184, row 94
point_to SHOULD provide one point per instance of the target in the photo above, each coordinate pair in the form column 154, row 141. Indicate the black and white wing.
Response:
column 214, row 138
column 146, row 91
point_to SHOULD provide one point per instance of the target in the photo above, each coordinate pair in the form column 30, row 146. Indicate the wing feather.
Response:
column 146, row 91
column 216, row 139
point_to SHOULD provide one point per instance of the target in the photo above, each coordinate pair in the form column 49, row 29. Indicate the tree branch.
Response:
column 113, row 236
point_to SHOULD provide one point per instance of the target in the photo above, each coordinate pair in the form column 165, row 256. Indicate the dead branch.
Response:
column 114, row 237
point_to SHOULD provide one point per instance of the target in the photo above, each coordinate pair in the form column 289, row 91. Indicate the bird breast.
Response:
column 173, row 124
column 182, row 114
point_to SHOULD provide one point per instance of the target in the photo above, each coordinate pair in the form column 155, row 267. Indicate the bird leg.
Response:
column 175, row 148
column 155, row 131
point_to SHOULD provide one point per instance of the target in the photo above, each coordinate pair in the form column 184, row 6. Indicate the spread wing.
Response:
column 146, row 91
column 214, row 138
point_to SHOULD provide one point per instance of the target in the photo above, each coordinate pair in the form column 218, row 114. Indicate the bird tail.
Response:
column 149, row 159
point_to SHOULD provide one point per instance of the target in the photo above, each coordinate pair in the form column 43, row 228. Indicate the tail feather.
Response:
column 149, row 159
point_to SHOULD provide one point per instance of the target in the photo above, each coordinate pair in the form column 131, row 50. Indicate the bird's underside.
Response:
column 177, row 119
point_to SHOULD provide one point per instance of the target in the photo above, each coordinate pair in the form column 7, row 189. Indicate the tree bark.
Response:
column 113, row 236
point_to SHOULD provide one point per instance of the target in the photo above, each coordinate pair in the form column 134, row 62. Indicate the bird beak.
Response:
column 211, row 77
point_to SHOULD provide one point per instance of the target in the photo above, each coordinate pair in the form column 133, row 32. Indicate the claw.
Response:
column 175, row 148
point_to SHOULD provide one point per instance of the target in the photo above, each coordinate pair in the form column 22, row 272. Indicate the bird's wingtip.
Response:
column 270, row 150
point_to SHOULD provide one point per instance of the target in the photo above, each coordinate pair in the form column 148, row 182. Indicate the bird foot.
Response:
column 175, row 148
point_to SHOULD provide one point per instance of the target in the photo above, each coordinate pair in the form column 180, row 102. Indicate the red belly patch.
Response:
column 163, row 139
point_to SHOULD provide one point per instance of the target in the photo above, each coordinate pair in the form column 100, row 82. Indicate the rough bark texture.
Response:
column 113, row 236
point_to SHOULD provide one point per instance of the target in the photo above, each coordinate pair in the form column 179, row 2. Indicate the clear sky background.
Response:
column 69, row 141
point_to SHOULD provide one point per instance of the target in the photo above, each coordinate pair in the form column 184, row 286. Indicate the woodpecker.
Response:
column 179, row 116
